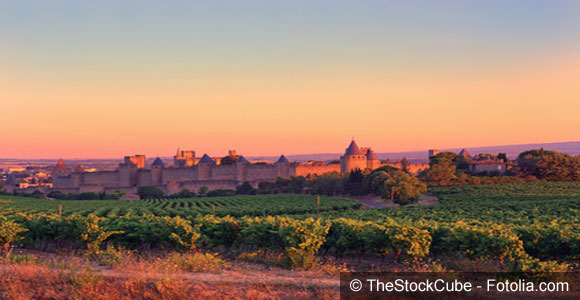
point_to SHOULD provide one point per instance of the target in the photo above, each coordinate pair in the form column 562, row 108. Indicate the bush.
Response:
column 88, row 196
column 146, row 192
column 221, row 193
column 348, row 236
column 302, row 239
column 245, row 189
column 113, row 256
column 198, row 262
column 480, row 241
column 10, row 233
column 155, row 232
column 551, row 242
column 218, row 231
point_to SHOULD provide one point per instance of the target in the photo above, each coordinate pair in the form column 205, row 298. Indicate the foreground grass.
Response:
column 168, row 276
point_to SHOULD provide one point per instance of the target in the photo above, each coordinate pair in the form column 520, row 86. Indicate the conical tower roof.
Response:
column 242, row 159
column 282, row 159
column 205, row 159
column 60, row 166
column 79, row 168
column 353, row 149
column 158, row 162
column 464, row 153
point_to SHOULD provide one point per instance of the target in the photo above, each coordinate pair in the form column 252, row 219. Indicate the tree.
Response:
column 149, row 192
column 221, row 193
column 245, row 189
column 38, row 194
column 403, row 188
column 56, row 195
column 353, row 183
column 405, row 164
column 442, row 157
column 485, row 156
column 203, row 190
column 88, row 196
column 373, row 182
column 185, row 193
column 442, row 172
column 502, row 156
column 461, row 163
column 114, row 196
column 549, row 165
column 327, row 184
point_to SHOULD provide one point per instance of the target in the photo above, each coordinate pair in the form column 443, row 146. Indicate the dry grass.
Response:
column 142, row 277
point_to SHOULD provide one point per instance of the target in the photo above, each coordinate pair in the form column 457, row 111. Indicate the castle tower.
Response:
column 60, row 169
column 10, row 184
column 185, row 158
column 241, row 165
column 137, row 160
column 128, row 170
column 157, row 172
column 77, row 176
column 353, row 159
column 205, row 164
column 373, row 161
column 283, row 166
column 432, row 152
column 61, row 175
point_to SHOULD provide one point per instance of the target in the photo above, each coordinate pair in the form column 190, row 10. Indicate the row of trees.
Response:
column 533, row 165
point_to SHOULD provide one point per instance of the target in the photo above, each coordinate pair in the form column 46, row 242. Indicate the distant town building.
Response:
column 488, row 166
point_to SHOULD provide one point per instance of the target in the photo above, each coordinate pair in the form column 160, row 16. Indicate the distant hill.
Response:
column 512, row 151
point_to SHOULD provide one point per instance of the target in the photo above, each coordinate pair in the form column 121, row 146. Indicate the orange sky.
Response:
column 79, row 95
column 295, row 114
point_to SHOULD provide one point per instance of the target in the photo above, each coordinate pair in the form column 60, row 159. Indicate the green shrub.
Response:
column 198, row 262
column 10, row 233
column 219, row 231
column 302, row 239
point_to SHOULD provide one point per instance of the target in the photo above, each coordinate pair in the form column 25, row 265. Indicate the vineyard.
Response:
column 508, row 204
column 237, row 206
column 523, row 227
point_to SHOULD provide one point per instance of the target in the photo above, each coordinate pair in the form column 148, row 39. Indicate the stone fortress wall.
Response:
column 192, row 173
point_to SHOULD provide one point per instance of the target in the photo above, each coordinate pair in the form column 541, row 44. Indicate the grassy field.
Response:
column 258, row 205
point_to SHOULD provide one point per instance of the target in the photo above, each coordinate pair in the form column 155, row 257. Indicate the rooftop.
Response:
column 60, row 166
column 353, row 149
column 205, row 159
column 282, row 159
column 158, row 162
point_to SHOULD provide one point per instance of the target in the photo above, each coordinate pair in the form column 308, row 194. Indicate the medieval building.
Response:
column 191, row 172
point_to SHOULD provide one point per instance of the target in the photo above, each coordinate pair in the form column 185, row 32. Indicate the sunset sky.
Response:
column 86, row 79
